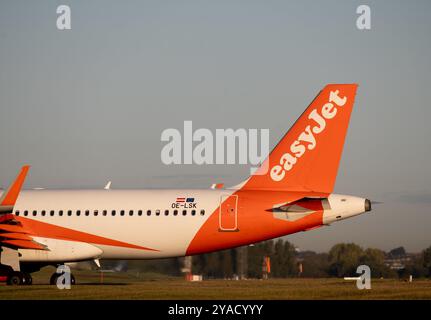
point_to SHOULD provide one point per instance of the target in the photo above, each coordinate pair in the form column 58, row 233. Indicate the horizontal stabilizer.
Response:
column 12, row 228
column 15, row 236
column 24, row 244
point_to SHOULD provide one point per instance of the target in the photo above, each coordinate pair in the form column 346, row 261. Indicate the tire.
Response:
column 53, row 279
column 28, row 279
column 72, row 279
column 15, row 279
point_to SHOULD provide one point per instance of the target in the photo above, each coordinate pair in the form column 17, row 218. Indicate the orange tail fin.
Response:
column 307, row 157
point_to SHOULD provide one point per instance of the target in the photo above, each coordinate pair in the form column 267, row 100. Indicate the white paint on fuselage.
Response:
column 60, row 251
column 170, row 234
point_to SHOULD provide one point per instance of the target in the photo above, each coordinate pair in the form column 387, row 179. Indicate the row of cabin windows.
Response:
column 105, row 212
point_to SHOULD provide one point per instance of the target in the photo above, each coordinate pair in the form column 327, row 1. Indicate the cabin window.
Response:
column 157, row 212
column 148, row 212
column 113, row 213
column 17, row 212
column 96, row 213
column 69, row 212
column 105, row 212
column 87, row 212
column 202, row 212
column 175, row 212
column 122, row 213
column 25, row 212
column 193, row 212
column 139, row 212
column 51, row 213
column 78, row 213
column 60, row 213
column 166, row 212
column 131, row 213
column 43, row 213
column 34, row 212
column 184, row 212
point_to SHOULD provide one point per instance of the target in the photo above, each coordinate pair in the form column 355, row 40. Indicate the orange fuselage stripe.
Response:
column 47, row 230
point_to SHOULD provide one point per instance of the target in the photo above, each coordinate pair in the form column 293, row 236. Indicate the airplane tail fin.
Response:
column 307, row 157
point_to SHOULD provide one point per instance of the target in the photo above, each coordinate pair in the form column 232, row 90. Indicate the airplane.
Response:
column 291, row 191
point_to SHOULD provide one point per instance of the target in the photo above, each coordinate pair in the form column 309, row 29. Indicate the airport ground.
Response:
column 132, row 285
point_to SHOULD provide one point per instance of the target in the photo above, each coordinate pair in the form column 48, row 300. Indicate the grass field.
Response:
column 151, row 286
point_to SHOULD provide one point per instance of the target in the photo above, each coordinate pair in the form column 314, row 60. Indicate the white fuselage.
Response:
column 169, row 234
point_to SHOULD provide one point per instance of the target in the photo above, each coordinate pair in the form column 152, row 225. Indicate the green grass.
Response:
column 132, row 285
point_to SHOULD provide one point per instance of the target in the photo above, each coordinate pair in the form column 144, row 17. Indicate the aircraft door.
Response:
column 228, row 214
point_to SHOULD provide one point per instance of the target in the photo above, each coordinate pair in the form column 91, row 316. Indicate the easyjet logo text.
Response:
column 307, row 139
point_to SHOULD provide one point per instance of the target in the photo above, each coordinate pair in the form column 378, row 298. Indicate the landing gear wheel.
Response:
column 28, row 279
column 15, row 279
column 53, row 279
column 72, row 279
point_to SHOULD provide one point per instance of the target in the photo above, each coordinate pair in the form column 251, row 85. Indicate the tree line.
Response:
column 341, row 260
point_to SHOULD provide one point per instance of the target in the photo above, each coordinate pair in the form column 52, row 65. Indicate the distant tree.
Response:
column 278, row 269
column 198, row 263
column 315, row 265
column 268, row 247
column 415, row 268
column 397, row 252
column 255, row 255
column 226, row 264
column 212, row 265
column 375, row 259
column 283, row 261
column 290, row 260
column 426, row 256
column 282, row 257
column 344, row 258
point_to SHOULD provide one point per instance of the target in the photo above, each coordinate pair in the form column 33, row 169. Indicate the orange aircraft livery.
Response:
column 290, row 192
